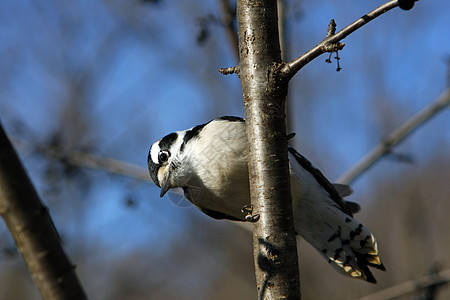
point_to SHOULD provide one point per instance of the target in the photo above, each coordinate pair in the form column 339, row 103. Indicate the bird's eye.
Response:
column 163, row 156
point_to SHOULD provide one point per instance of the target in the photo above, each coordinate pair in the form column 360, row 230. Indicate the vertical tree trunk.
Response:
column 264, row 93
column 33, row 231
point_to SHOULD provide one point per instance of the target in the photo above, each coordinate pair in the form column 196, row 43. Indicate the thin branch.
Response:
column 408, row 287
column 229, row 70
column 394, row 138
column 33, row 230
column 332, row 42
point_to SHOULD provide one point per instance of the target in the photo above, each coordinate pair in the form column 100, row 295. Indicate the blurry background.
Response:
column 109, row 78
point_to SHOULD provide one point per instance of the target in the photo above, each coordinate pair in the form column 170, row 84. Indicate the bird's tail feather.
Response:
column 352, row 250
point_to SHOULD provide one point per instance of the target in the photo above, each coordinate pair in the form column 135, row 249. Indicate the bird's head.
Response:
column 162, row 161
column 177, row 159
column 169, row 160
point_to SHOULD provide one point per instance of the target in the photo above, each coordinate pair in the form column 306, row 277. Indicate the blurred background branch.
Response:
column 228, row 18
column 434, row 280
column 33, row 230
column 396, row 137
column 83, row 159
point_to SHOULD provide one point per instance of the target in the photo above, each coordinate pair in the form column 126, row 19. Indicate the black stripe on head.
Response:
column 167, row 141
column 190, row 134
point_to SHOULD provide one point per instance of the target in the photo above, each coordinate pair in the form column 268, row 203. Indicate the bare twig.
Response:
column 410, row 286
column 229, row 70
column 331, row 28
column 396, row 137
column 33, row 231
column 332, row 42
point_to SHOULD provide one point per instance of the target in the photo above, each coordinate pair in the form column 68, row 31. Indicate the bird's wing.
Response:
column 344, row 190
column 322, row 180
column 193, row 195
column 218, row 215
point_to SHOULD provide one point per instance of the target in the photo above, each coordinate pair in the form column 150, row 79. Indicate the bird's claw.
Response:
column 247, row 209
column 290, row 136
column 249, row 216
column 252, row 218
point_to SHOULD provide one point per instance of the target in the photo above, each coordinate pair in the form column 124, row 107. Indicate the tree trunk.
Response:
column 33, row 231
column 264, row 92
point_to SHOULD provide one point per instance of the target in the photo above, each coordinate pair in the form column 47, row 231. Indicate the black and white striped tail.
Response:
column 352, row 249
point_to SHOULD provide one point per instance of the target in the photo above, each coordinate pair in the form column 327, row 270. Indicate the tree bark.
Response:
column 264, row 93
column 33, row 230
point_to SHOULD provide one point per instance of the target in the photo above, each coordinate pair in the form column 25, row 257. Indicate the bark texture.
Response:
column 264, row 92
column 33, row 231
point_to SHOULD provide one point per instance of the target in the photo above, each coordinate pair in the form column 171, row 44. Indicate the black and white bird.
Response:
column 209, row 162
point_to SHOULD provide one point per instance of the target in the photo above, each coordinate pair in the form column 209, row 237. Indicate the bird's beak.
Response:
column 165, row 186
